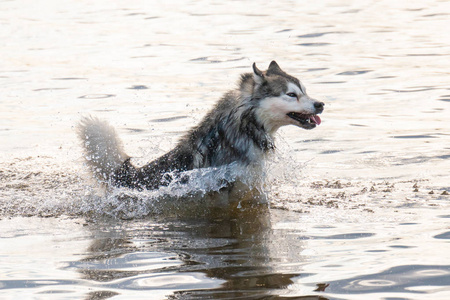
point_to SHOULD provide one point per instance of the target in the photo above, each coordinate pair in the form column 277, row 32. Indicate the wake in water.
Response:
column 48, row 187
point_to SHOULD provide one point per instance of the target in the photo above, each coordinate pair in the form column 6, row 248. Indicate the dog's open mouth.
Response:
column 307, row 121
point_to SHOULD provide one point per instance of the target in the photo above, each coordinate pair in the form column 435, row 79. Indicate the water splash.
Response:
column 39, row 186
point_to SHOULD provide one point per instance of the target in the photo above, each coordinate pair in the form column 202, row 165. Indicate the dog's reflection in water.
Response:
column 235, row 245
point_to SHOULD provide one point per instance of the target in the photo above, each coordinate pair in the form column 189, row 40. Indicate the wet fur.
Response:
column 239, row 128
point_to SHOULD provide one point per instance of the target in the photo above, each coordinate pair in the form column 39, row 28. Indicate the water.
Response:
column 358, row 207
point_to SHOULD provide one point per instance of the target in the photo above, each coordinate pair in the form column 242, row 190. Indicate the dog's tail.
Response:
column 102, row 147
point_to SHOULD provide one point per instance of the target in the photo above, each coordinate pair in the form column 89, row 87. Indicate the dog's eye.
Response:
column 293, row 95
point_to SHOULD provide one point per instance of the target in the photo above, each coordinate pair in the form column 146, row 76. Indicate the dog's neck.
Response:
column 255, row 130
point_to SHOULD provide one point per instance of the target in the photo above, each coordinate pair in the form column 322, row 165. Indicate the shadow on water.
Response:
column 230, row 253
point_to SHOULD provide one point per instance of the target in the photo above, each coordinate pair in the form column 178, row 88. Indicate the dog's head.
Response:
column 280, row 99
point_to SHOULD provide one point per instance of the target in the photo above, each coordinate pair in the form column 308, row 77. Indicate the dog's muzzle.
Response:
column 309, row 121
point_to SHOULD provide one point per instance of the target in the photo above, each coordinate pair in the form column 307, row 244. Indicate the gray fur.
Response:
column 234, row 130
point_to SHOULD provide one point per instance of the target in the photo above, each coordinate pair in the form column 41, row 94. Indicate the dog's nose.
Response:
column 319, row 106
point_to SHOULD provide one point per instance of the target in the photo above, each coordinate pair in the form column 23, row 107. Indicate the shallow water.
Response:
column 358, row 207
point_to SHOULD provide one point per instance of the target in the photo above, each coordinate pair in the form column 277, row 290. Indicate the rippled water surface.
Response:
column 359, row 208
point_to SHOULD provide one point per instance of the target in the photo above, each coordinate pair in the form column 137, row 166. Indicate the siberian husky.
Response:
column 239, row 129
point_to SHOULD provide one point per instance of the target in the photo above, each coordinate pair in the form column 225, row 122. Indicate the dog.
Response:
column 239, row 129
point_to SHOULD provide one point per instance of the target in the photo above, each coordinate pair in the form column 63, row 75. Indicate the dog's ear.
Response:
column 258, row 76
column 274, row 67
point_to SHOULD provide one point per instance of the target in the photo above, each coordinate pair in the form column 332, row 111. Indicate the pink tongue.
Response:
column 316, row 120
